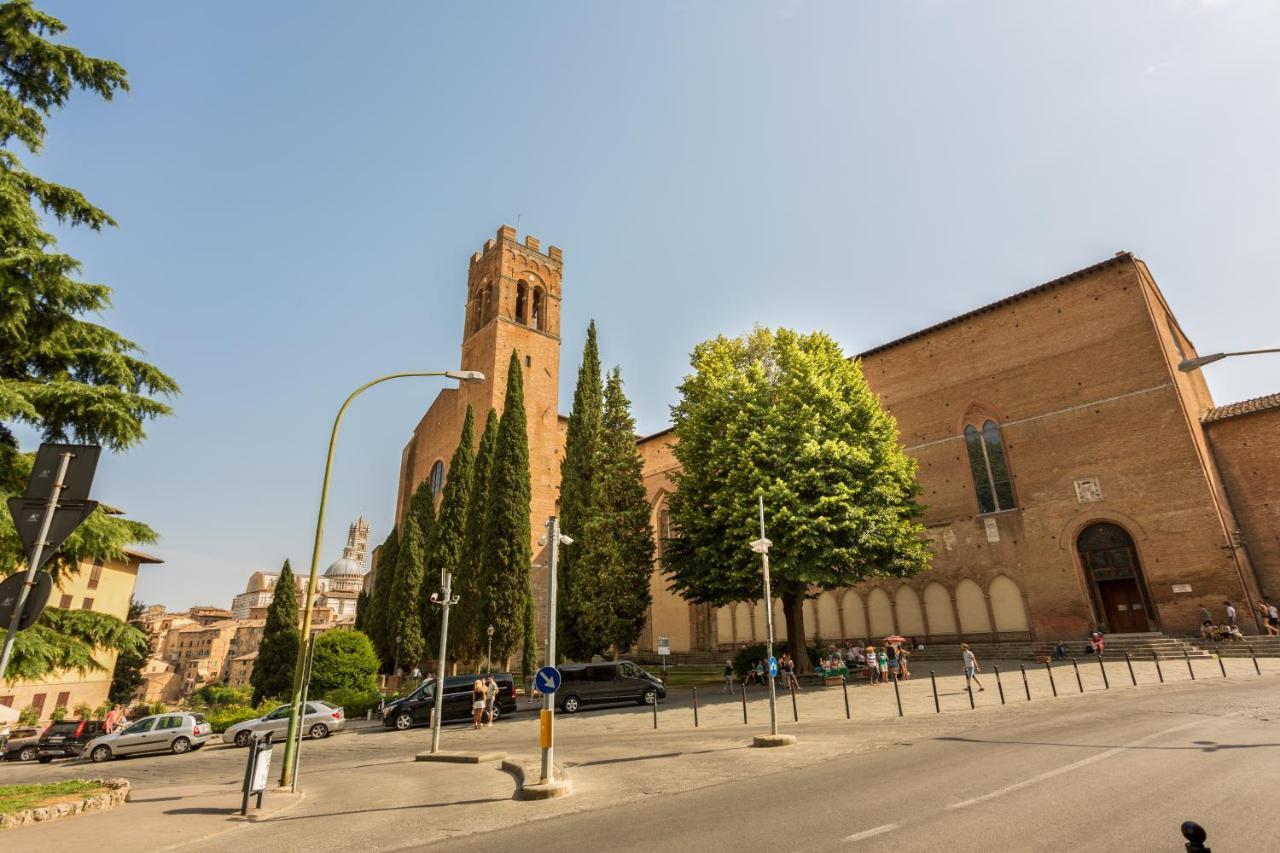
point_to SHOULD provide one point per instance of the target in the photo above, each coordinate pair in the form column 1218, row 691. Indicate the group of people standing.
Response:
column 883, row 664
column 484, row 695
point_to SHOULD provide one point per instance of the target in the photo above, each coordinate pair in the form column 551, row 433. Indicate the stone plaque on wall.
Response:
column 1088, row 490
column 993, row 531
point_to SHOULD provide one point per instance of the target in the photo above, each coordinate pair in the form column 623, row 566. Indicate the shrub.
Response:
column 84, row 711
column 59, row 714
column 29, row 715
column 146, row 709
column 750, row 654
column 100, row 712
column 356, row 703
column 343, row 659
column 217, row 695
column 226, row 716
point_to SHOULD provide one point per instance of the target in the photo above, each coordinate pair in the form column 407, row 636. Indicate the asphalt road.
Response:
column 1114, row 777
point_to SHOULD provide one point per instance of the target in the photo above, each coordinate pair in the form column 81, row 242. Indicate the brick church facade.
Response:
column 1074, row 477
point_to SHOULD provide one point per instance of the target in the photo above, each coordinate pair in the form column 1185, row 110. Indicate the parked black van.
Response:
column 415, row 709
column 583, row 684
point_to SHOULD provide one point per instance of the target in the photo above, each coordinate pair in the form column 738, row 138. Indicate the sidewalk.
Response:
column 145, row 822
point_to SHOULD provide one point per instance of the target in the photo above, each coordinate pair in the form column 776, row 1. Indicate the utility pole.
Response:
column 446, row 600
column 488, row 655
column 761, row 547
column 554, row 539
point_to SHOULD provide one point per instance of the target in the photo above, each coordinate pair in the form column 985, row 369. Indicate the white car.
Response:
column 179, row 732
column 319, row 721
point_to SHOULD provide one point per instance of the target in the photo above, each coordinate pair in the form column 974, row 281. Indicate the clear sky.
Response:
column 299, row 187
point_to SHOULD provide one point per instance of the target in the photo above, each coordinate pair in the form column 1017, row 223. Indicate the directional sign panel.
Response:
column 773, row 667
column 79, row 477
column 29, row 514
column 547, row 680
column 11, row 588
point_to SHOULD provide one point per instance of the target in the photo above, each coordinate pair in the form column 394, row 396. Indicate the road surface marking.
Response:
column 1084, row 762
column 868, row 833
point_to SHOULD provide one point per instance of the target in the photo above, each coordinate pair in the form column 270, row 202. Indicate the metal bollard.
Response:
column 744, row 704
column 1195, row 835
column 896, row 694
column 1129, row 663
column 795, row 712
column 934, row 680
column 1048, row 667
column 1221, row 664
column 1105, row 683
column 1160, row 672
column 968, row 682
column 695, row 707
column 655, row 711
column 1256, row 668
column 1076, row 667
column 1025, row 685
column 1187, row 658
column 999, row 686
column 844, row 685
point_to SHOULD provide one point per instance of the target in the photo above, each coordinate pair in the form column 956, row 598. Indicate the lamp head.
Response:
column 465, row 375
column 489, row 630
column 565, row 540
column 1190, row 364
column 435, row 597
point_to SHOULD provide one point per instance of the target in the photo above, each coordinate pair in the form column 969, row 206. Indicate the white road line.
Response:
column 1084, row 762
column 868, row 833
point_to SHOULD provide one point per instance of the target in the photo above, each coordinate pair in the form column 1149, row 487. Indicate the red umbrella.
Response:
column 895, row 639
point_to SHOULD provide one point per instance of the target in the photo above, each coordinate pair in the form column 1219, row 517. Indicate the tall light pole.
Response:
column 761, row 547
column 445, row 599
column 488, row 655
column 295, row 713
column 1190, row 364
column 548, row 717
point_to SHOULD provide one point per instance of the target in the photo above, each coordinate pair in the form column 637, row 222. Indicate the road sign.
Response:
column 547, row 680
column 11, row 588
column 664, row 645
column 773, row 667
column 77, row 480
column 28, row 514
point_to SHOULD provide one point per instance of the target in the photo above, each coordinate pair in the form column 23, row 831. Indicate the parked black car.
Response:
column 20, row 745
column 614, row 682
column 415, row 709
column 67, row 739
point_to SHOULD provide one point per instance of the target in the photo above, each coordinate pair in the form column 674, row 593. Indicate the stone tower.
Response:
column 357, row 542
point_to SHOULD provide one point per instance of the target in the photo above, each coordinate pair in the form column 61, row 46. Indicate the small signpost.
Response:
column 773, row 667
column 547, row 680
column 664, row 652
column 256, row 771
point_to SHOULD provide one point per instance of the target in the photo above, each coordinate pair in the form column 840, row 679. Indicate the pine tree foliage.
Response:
column 616, row 557
column 67, row 640
column 474, row 612
column 576, row 471
column 383, row 580
column 272, row 676
column 447, row 547
column 507, row 553
column 404, row 606
column 785, row 416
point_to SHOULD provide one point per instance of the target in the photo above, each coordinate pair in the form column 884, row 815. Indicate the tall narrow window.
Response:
column 96, row 575
column 437, row 478
column 992, row 482
column 535, row 319
column 522, row 296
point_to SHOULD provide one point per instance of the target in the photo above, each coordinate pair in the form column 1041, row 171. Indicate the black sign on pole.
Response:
column 79, row 476
column 28, row 514
column 11, row 588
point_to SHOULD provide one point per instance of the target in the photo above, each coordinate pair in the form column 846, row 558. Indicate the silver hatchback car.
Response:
column 320, row 720
column 178, row 733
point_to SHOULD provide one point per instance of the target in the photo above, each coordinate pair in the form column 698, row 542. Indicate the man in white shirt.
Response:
column 1231, row 613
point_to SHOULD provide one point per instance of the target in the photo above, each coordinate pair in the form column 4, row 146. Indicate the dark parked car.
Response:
column 415, row 709
column 583, row 684
column 20, row 745
column 67, row 739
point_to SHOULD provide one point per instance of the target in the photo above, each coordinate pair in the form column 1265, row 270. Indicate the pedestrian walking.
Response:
column 728, row 677
column 491, row 691
column 1231, row 613
column 971, row 669
column 1273, row 618
column 477, row 703
column 873, row 669
column 789, row 671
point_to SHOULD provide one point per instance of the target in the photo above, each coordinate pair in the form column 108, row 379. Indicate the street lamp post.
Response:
column 295, row 713
column 761, row 547
column 1190, row 364
column 488, row 655
column 548, row 717
column 446, row 600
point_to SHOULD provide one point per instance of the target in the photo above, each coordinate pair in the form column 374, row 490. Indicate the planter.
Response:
column 117, row 792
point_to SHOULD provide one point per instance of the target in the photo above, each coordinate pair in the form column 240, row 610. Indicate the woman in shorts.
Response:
column 477, row 702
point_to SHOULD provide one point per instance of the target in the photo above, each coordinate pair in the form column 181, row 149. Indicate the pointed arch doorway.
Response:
column 1116, row 584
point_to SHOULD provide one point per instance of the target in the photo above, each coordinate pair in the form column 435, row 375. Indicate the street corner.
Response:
column 461, row 757
column 766, row 741
column 524, row 770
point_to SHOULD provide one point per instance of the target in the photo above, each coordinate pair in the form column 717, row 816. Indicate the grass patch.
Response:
column 15, row 798
column 690, row 676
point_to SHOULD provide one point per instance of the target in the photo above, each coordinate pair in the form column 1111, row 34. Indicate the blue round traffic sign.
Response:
column 547, row 680
column 773, row 667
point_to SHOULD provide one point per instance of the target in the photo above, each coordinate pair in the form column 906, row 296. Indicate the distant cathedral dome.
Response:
column 345, row 567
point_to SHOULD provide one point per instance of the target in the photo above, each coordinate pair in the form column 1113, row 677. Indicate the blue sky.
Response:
column 299, row 187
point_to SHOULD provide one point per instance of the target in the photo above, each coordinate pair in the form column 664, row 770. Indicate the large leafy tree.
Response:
column 404, row 607
column 61, row 374
column 127, row 676
column 616, row 559
column 582, row 437
column 506, row 549
column 384, row 578
column 474, row 610
column 446, row 552
column 273, row 670
column 785, row 416
column 343, row 659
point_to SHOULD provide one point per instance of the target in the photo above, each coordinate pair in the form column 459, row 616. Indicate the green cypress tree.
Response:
column 383, row 581
column 273, row 671
column 616, row 558
column 404, row 607
column 581, row 438
column 362, row 610
column 473, row 549
column 506, row 549
column 446, row 554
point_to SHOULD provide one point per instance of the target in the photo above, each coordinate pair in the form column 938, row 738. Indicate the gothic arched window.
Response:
column 992, row 482
column 437, row 478
column 522, row 295
column 535, row 318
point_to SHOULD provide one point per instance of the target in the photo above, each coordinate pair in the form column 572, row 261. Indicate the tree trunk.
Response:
column 793, row 612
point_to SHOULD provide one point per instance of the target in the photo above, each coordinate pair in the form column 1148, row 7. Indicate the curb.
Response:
column 773, row 740
column 559, row 786
column 117, row 794
column 460, row 757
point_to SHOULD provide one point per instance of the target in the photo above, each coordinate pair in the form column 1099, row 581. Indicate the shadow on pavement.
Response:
column 396, row 809
column 1198, row 746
